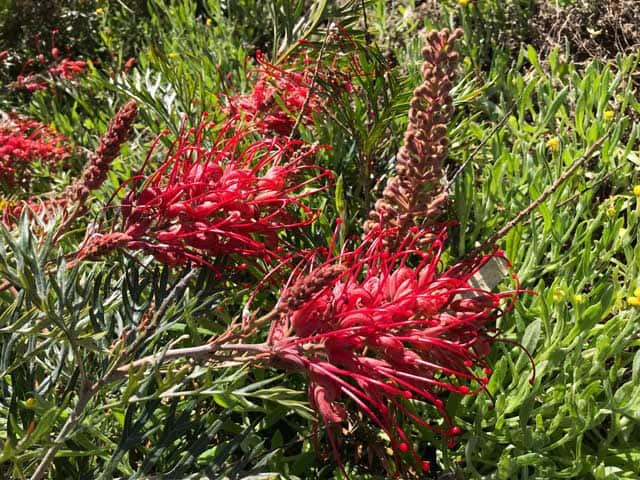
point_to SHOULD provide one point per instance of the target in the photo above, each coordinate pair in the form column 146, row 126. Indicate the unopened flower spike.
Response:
column 72, row 201
column 417, row 192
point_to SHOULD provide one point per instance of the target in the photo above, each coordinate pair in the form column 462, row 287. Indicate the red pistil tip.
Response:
column 468, row 363
column 451, row 443
column 455, row 430
column 403, row 447
column 407, row 394
column 338, row 221
column 488, row 371
column 166, row 131
column 242, row 266
column 426, row 466
column 463, row 389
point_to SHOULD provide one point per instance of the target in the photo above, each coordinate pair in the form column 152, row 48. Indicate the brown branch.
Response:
column 538, row 201
column 201, row 353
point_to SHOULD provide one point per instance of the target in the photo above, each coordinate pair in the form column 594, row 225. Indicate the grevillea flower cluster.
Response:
column 24, row 141
column 281, row 93
column 386, row 330
column 68, row 69
column 32, row 76
column 418, row 192
column 220, row 191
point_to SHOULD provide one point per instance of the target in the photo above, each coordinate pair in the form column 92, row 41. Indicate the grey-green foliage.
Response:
column 62, row 329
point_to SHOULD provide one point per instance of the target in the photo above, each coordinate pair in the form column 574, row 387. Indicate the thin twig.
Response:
column 475, row 151
column 576, row 195
column 307, row 98
column 538, row 201
column 83, row 399
column 199, row 354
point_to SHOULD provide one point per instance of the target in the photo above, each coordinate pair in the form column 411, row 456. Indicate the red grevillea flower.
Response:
column 23, row 141
column 232, row 194
column 31, row 77
column 281, row 93
column 68, row 69
column 386, row 330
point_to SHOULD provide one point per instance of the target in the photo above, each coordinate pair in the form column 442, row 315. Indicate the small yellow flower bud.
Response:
column 553, row 144
column 464, row 3
column 209, row 22
column 634, row 301
column 636, row 190
column 608, row 115
column 30, row 402
column 172, row 55
column 578, row 298
column 99, row 11
column 611, row 211
column 558, row 294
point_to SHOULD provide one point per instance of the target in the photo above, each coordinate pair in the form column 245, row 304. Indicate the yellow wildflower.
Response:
column 209, row 22
column 558, row 294
column 99, row 11
column 636, row 190
column 30, row 402
column 611, row 211
column 4, row 203
column 634, row 301
column 553, row 144
column 172, row 55
column 578, row 298
column 464, row 3
column 608, row 115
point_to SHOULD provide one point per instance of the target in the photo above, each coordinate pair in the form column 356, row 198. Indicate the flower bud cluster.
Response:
column 417, row 191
